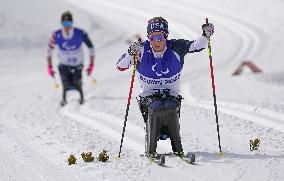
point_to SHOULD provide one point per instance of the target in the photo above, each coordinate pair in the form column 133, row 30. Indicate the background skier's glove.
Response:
column 50, row 70
column 208, row 30
column 90, row 69
column 135, row 48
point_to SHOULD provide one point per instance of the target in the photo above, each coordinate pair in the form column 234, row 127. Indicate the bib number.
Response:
column 72, row 60
column 162, row 91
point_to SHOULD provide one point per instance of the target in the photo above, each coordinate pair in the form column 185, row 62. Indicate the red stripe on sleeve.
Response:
column 121, row 69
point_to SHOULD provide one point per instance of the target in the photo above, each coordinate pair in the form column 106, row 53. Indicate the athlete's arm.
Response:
column 183, row 47
column 91, row 47
column 198, row 45
column 124, row 62
column 127, row 59
column 51, row 46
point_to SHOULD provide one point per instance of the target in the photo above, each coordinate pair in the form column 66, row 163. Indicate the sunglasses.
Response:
column 67, row 23
column 157, row 38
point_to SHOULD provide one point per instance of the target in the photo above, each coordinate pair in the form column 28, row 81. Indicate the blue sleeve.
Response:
column 182, row 47
column 87, row 41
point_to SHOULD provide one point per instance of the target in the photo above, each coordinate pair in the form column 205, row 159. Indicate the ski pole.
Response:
column 92, row 77
column 56, row 85
column 94, row 81
column 129, row 99
column 213, row 88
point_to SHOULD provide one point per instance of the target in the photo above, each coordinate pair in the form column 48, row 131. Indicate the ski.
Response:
column 63, row 103
column 188, row 158
column 158, row 159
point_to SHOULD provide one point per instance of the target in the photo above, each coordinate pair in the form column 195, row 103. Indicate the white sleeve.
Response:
column 92, row 51
column 126, row 61
column 198, row 44
column 49, row 51
column 51, row 45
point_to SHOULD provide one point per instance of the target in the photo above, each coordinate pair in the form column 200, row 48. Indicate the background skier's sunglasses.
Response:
column 67, row 23
column 157, row 38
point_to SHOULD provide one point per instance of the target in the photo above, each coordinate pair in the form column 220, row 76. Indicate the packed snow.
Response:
column 37, row 135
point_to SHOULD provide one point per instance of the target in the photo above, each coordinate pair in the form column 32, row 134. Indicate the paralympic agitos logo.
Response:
column 160, row 73
column 68, row 47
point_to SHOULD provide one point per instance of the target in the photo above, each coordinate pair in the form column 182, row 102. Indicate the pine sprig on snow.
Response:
column 87, row 157
column 103, row 157
column 254, row 144
column 72, row 160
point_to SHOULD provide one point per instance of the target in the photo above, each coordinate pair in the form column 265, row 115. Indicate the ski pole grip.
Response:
column 136, row 56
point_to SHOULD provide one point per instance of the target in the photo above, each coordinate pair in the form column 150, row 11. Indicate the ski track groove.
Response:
column 120, row 10
column 265, row 117
column 36, row 165
column 97, row 120
column 110, row 126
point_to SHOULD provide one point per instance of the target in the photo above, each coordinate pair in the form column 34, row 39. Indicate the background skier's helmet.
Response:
column 67, row 19
column 158, row 24
column 66, row 16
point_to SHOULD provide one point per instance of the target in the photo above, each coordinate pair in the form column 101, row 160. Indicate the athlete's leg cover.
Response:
column 65, row 79
column 71, row 78
column 174, row 131
column 77, row 80
column 163, row 113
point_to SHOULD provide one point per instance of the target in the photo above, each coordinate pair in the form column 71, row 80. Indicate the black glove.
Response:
column 135, row 48
column 208, row 30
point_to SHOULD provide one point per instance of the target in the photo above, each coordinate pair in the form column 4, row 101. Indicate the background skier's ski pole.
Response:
column 56, row 85
column 213, row 87
column 129, row 99
column 94, row 81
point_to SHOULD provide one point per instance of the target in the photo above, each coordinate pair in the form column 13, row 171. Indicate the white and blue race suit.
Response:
column 70, row 52
column 159, row 72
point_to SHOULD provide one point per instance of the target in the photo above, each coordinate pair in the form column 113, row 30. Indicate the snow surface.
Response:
column 37, row 135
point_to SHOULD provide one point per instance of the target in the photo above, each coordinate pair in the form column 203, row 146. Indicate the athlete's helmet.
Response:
column 158, row 24
column 66, row 16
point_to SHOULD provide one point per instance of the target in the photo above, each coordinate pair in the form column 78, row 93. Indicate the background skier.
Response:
column 158, row 71
column 69, row 40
